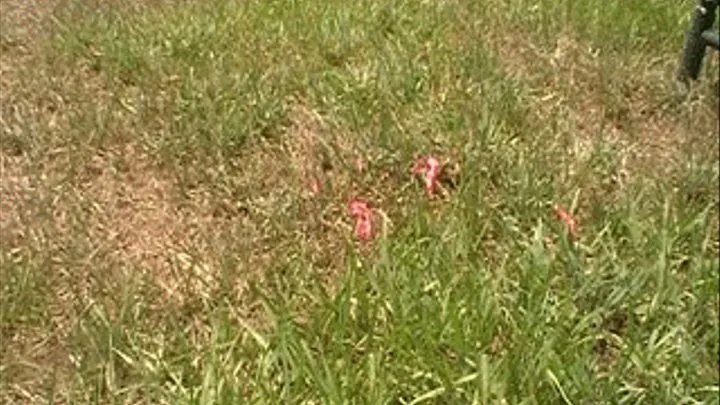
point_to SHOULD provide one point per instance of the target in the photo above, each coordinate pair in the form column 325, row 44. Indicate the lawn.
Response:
column 178, row 177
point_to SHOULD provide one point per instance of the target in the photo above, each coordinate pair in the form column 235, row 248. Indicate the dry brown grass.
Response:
column 23, row 20
column 596, row 94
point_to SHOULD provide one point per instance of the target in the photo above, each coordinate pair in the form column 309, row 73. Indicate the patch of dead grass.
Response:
column 22, row 20
column 588, row 93
column 593, row 91
column 12, row 198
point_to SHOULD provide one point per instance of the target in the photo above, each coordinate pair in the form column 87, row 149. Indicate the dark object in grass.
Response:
column 700, row 36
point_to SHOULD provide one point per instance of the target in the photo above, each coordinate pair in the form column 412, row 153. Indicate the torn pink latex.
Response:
column 361, row 214
column 429, row 168
column 360, row 164
column 314, row 186
column 567, row 219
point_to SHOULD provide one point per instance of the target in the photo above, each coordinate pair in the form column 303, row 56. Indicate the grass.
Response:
column 161, row 242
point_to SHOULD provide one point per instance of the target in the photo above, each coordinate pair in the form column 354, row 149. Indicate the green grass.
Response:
column 166, row 248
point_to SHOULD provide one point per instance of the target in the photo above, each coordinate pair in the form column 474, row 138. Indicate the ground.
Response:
column 175, row 190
